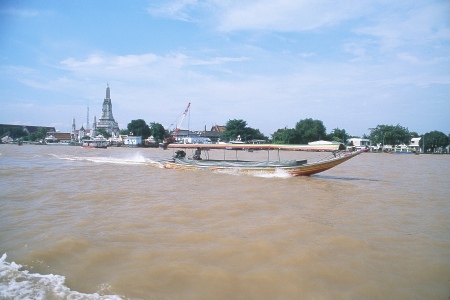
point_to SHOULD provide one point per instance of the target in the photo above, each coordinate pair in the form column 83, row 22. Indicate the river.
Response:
column 113, row 224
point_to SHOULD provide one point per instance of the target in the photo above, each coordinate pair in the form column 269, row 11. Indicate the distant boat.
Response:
column 115, row 142
column 293, row 167
column 237, row 141
column 50, row 140
column 98, row 142
column 403, row 150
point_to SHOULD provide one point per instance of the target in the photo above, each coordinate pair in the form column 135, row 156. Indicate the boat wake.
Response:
column 137, row 159
column 279, row 173
column 16, row 283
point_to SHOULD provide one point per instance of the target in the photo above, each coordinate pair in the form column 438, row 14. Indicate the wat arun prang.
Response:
column 107, row 121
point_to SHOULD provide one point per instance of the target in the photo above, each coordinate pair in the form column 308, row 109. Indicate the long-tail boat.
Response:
column 338, row 155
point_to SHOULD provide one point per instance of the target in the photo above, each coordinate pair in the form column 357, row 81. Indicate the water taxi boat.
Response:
column 338, row 155
column 97, row 142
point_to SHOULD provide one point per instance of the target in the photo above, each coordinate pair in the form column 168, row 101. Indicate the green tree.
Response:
column 139, row 128
column 18, row 133
column 255, row 134
column 390, row 135
column 286, row 136
column 310, row 130
column 338, row 135
column 435, row 140
column 103, row 132
column 38, row 135
column 235, row 128
column 157, row 131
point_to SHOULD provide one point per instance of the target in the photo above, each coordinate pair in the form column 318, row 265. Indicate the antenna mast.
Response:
column 87, row 119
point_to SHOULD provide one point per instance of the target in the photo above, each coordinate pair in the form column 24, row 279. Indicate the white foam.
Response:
column 20, row 284
column 279, row 173
column 136, row 159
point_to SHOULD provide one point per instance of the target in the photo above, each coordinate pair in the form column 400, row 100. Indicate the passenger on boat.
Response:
column 197, row 154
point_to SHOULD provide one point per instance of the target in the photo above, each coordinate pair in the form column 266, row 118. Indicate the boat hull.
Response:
column 305, row 169
column 95, row 145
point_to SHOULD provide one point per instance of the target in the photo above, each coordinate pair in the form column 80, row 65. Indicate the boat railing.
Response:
column 336, row 155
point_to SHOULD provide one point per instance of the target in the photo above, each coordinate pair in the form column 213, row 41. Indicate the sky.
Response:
column 351, row 64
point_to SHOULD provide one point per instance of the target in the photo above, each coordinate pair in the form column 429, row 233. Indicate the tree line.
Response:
column 19, row 133
column 304, row 131
column 397, row 135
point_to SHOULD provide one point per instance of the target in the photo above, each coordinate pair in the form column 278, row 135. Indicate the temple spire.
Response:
column 107, row 121
column 108, row 93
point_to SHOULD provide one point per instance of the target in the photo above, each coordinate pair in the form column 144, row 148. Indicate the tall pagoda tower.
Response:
column 107, row 121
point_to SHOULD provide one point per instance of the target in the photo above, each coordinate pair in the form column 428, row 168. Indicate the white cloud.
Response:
column 285, row 15
column 145, row 66
column 357, row 49
column 282, row 15
column 306, row 54
column 92, row 60
column 23, row 13
column 408, row 57
column 417, row 24
column 178, row 10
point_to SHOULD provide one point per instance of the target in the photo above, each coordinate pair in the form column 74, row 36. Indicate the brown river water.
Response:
column 112, row 224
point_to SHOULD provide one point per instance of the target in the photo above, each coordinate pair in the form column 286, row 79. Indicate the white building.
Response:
column 414, row 147
column 415, row 144
column 131, row 140
column 196, row 140
column 359, row 143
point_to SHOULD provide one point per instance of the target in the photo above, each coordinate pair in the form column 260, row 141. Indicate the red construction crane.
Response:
column 173, row 138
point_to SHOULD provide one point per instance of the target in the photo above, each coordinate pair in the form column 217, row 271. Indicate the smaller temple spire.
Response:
column 73, row 132
column 94, row 127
